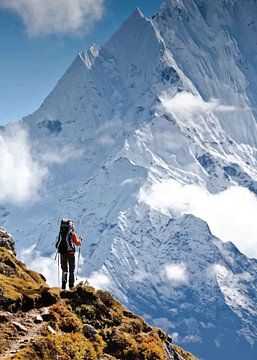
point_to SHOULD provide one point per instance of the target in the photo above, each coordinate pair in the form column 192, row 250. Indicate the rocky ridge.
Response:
column 39, row 322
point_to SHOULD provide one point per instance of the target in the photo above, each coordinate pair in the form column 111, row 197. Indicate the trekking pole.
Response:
column 57, row 255
column 57, row 247
column 78, row 258
column 58, row 269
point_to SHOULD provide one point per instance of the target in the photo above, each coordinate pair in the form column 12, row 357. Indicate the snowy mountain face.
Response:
column 166, row 104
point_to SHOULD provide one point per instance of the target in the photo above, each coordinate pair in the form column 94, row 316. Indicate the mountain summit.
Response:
column 166, row 108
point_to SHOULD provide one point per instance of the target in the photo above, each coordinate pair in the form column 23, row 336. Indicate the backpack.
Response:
column 65, row 244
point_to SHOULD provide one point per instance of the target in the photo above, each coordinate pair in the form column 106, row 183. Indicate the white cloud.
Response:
column 60, row 156
column 217, row 343
column 23, row 171
column 207, row 325
column 187, row 102
column 191, row 339
column 231, row 214
column 175, row 273
column 58, row 16
column 130, row 181
column 21, row 176
column 99, row 280
column 106, row 140
column 49, row 266
column 175, row 337
column 163, row 323
column 107, row 132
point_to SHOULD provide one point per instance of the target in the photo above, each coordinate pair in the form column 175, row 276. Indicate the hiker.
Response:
column 66, row 248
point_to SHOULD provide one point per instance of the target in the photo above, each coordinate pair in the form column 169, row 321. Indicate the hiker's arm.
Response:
column 75, row 239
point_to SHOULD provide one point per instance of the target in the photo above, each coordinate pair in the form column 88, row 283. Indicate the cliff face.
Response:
column 38, row 322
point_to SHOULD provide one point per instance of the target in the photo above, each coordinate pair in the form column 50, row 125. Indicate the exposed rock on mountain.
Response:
column 6, row 240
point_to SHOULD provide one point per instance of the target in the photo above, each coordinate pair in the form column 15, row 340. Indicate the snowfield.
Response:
column 149, row 144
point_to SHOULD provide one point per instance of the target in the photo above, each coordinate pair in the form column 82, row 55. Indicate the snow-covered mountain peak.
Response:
column 139, row 138
column 108, row 80
column 137, row 13
column 136, row 31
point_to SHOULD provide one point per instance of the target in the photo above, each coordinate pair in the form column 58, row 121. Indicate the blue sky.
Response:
column 33, row 59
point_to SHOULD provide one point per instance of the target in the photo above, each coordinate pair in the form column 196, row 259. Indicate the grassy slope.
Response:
column 88, row 323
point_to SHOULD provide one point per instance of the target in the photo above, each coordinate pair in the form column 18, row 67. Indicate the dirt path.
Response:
column 28, row 326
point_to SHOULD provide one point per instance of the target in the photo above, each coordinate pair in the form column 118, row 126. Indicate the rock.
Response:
column 3, row 318
column 51, row 330
column 46, row 316
column 164, row 336
column 38, row 319
column 89, row 331
column 12, row 352
column 23, row 343
column 3, row 232
column 20, row 327
column 6, row 241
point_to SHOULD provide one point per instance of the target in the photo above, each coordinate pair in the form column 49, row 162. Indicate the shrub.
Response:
column 65, row 320
column 21, row 288
column 64, row 347
column 120, row 345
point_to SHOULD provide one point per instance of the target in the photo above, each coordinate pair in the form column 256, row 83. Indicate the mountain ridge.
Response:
column 133, row 129
column 38, row 322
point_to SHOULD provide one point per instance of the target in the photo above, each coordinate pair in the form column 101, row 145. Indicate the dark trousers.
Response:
column 68, row 266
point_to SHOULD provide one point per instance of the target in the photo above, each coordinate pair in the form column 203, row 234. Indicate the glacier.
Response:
column 170, row 99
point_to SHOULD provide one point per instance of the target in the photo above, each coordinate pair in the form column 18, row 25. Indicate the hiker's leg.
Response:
column 64, row 266
column 71, row 270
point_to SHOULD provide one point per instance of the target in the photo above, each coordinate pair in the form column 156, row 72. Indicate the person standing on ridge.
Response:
column 66, row 249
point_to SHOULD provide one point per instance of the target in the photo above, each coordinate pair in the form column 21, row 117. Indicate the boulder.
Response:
column 38, row 319
column 20, row 327
column 7, row 241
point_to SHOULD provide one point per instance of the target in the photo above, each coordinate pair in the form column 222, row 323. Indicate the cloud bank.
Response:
column 49, row 266
column 176, row 274
column 21, row 176
column 231, row 214
column 23, row 172
column 99, row 280
column 187, row 102
column 56, row 17
column 61, row 156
